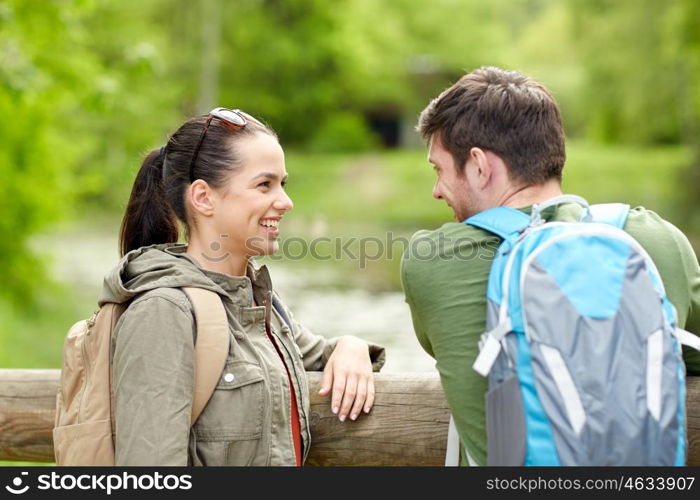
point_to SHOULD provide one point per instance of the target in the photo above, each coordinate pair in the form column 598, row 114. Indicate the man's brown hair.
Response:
column 505, row 112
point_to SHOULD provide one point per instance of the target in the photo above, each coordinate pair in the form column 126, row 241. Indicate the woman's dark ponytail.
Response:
column 148, row 218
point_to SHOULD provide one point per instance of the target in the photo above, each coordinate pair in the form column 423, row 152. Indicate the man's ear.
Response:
column 483, row 169
column 201, row 198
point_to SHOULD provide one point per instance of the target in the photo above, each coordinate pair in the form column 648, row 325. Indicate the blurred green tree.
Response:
column 79, row 85
column 37, row 99
column 642, row 65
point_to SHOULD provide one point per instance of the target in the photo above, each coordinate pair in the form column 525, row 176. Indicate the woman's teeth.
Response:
column 270, row 223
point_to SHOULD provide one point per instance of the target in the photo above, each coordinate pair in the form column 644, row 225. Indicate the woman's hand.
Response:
column 349, row 373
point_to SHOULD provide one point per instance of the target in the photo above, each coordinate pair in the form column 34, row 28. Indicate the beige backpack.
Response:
column 84, row 428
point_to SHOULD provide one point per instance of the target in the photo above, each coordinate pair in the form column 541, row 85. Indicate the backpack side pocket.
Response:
column 505, row 424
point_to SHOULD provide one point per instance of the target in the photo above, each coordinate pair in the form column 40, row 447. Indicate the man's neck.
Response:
column 519, row 197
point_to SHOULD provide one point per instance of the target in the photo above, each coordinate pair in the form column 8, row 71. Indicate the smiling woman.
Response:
column 245, row 213
column 222, row 178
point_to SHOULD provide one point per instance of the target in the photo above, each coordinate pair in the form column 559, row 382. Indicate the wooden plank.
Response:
column 27, row 409
column 407, row 426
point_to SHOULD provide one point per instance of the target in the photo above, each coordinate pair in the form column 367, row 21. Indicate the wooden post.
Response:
column 407, row 426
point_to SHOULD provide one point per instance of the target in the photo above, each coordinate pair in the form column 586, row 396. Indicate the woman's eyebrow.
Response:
column 270, row 176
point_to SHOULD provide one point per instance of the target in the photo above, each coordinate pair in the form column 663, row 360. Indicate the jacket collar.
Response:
column 256, row 284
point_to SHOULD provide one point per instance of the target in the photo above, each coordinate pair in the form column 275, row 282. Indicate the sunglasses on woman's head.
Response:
column 233, row 117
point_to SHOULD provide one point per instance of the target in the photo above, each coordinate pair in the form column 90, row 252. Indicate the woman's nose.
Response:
column 284, row 202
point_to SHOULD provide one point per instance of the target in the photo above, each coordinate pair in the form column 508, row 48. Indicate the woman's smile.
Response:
column 271, row 225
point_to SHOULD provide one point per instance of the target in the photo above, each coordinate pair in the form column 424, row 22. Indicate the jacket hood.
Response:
column 155, row 266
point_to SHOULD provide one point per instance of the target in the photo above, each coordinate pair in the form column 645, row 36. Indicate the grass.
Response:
column 394, row 188
column 33, row 337
column 651, row 177
column 386, row 188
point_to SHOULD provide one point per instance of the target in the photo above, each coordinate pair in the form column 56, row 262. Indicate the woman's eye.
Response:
column 284, row 183
column 265, row 184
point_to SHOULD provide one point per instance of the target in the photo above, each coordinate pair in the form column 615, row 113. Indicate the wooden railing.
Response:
column 407, row 426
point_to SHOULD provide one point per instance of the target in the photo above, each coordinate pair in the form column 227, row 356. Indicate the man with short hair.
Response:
column 495, row 138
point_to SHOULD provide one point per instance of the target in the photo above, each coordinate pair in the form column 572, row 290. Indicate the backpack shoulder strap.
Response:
column 452, row 451
column 614, row 214
column 505, row 222
column 211, row 347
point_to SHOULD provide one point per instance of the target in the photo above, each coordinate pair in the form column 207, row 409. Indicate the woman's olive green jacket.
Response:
column 247, row 421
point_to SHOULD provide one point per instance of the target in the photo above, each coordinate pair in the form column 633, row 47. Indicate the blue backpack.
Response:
column 582, row 349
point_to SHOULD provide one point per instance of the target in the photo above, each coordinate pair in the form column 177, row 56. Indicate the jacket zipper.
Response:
column 300, row 403
column 299, row 395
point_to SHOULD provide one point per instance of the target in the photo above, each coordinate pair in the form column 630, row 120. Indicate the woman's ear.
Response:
column 201, row 198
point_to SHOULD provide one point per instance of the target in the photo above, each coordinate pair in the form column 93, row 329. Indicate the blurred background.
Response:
column 88, row 87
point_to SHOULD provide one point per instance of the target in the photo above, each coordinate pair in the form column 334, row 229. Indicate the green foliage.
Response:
column 343, row 132
column 284, row 62
column 79, row 83
column 299, row 63
column 35, row 97
column 635, row 79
